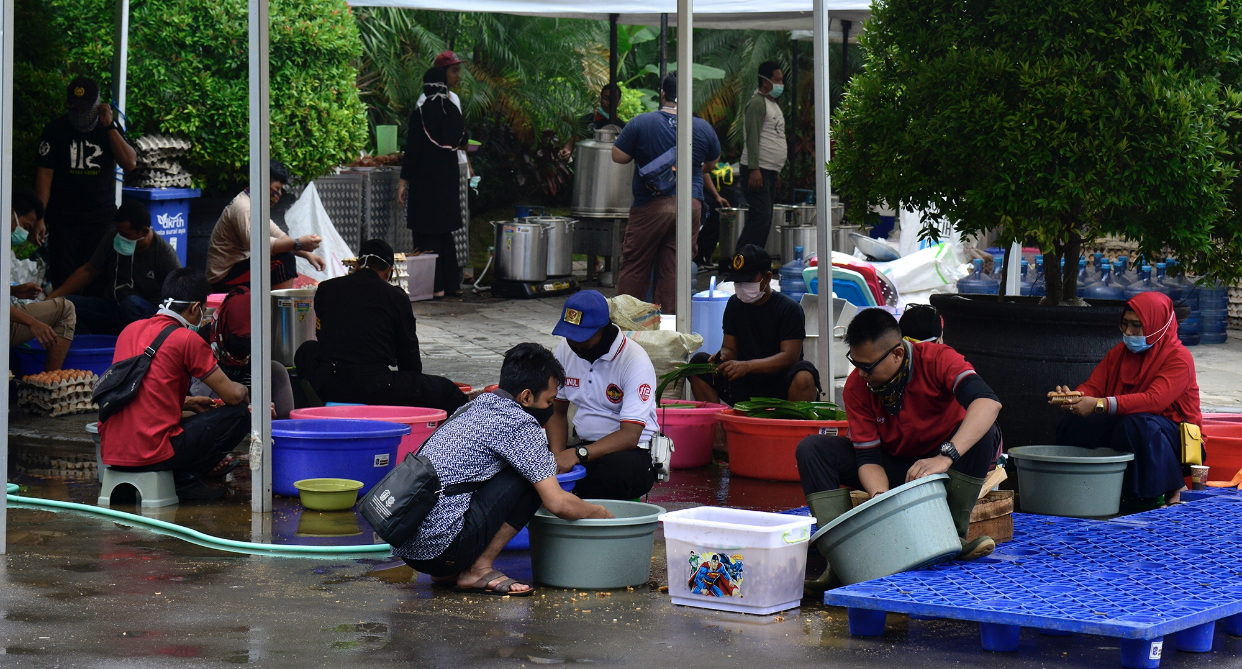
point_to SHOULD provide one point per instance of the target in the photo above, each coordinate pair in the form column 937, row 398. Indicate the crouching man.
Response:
column 914, row 410
column 498, row 440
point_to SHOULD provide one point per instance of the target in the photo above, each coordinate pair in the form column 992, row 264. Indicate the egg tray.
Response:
column 65, row 466
column 57, row 392
column 1137, row 578
column 400, row 275
column 45, row 399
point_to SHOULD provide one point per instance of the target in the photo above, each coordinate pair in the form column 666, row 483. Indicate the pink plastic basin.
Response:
column 692, row 427
column 422, row 421
column 214, row 300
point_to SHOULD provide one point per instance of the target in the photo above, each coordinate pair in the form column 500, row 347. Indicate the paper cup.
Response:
column 1198, row 477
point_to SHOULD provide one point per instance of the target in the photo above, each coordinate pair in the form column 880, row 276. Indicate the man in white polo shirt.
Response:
column 612, row 383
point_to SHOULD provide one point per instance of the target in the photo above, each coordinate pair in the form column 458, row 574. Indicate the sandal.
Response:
column 500, row 589
column 228, row 464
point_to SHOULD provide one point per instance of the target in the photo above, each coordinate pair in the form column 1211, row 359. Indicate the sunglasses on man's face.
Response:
column 866, row 368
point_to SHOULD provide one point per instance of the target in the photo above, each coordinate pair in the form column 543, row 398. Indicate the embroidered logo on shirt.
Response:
column 614, row 393
column 644, row 392
column 571, row 382
column 573, row 317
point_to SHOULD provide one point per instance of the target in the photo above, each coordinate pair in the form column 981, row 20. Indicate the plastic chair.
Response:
column 155, row 489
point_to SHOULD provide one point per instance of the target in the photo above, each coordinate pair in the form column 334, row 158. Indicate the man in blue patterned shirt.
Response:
column 497, row 439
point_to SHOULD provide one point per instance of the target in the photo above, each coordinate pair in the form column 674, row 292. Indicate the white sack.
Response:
column 911, row 225
column 667, row 350
column 307, row 216
column 934, row 268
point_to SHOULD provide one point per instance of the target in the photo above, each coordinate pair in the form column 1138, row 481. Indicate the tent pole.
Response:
column 823, row 197
column 260, row 258
column 793, row 119
column 845, row 54
column 120, row 71
column 663, row 46
column 6, row 205
column 613, row 118
column 685, row 158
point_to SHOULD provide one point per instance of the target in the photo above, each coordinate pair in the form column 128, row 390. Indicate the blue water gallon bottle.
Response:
column 978, row 283
column 1104, row 288
column 792, row 283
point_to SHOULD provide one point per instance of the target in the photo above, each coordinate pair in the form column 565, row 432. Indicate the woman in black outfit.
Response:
column 430, row 175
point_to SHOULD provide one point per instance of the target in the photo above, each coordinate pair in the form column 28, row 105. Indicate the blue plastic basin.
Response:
column 521, row 540
column 363, row 450
column 90, row 352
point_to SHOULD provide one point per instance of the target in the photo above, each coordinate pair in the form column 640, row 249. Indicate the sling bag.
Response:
column 119, row 384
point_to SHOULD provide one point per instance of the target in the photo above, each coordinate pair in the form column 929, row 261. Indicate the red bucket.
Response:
column 763, row 448
column 1223, row 443
column 692, row 427
column 422, row 421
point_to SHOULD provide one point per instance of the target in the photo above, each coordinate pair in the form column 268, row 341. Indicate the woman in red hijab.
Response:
column 1136, row 397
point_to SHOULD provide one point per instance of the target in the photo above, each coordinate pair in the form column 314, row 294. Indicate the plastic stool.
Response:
column 155, row 489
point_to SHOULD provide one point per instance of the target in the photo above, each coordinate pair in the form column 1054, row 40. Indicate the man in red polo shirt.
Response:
column 148, row 434
column 914, row 410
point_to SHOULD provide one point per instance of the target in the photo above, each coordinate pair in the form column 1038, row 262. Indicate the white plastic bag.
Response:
column 911, row 225
column 667, row 350
column 307, row 216
column 933, row 268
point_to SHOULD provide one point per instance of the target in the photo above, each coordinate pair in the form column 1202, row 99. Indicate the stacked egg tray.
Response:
column 76, row 466
column 57, row 393
column 1136, row 578
column 400, row 277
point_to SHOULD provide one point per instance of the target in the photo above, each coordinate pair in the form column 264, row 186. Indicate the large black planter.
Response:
column 1024, row 350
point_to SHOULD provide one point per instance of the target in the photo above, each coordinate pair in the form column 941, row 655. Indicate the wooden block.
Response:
column 993, row 517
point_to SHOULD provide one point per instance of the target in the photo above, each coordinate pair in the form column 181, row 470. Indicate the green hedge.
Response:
column 188, row 76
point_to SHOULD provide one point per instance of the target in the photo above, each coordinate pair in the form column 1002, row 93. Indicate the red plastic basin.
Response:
column 692, row 427
column 465, row 388
column 422, row 421
column 763, row 448
column 1222, row 419
column 1223, row 443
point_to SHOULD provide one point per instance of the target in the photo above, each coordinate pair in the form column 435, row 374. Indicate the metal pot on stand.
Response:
column 293, row 322
column 560, row 234
column 521, row 250
column 732, row 221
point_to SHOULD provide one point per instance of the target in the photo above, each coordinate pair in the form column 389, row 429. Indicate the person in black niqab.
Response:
column 435, row 133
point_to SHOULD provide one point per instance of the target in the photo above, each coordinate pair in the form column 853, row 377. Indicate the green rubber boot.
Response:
column 963, row 492
column 826, row 506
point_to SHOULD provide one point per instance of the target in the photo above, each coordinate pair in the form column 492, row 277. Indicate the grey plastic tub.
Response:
column 905, row 528
column 1070, row 481
column 595, row 554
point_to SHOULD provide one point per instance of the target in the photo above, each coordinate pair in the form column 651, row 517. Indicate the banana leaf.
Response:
column 770, row 407
column 681, row 372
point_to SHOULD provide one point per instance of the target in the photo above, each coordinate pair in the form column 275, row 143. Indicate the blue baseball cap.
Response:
column 584, row 314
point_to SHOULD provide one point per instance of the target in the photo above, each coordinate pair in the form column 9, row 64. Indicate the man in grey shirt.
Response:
column 764, row 154
column 122, row 281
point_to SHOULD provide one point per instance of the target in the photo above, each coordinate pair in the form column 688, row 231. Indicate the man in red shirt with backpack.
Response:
column 914, row 410
column 148, row 434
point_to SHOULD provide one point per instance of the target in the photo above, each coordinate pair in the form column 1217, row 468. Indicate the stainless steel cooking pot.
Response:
column 521, row 250
column 560, row 233
column 798, row 235
column 732, row 221
column 293, row 322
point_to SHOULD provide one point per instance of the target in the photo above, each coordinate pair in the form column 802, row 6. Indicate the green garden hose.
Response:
column 194, row 536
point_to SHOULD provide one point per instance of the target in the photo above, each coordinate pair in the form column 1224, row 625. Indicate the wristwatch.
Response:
column 1101, row 405
column 948, row 450
column 583, row 454
column 297, row 244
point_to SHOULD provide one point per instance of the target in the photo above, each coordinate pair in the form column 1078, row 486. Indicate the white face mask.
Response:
column 749, row 292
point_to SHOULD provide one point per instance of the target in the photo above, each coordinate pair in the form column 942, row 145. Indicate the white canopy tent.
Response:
column 813, row 15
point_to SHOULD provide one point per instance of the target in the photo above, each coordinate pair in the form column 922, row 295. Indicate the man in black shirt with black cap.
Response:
column 364, row 326
column 761, row 355
column 76, row 177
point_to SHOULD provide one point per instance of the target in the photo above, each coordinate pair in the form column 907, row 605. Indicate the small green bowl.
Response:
column 328, row 494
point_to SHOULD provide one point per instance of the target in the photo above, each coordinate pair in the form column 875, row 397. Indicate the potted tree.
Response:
column 1057, row 123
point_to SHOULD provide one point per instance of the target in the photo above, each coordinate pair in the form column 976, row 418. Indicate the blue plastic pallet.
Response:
column 1116, row 578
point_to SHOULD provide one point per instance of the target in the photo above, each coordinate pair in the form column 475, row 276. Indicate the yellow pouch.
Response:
column 1192, row 444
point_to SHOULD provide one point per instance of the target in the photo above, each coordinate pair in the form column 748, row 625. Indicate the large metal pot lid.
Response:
column 1069, row 454
column 875, row 501
column 547, row 220
column 874, row 249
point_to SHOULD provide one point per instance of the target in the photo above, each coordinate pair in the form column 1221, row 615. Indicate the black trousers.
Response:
column 71, row 243
column 756, row 385
column 448, row 274
column 506, row 498
column 204, row 441
column 825, row 463
column 1155, row 441
column 620, row 475
column 759, row 209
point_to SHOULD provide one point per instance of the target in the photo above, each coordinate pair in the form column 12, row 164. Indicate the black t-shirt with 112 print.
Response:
column 83, row 173
column 760, row 328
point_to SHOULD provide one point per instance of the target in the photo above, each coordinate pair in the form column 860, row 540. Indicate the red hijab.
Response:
column 1135, row 372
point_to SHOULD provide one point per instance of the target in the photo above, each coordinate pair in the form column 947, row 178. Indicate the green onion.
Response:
column 770, row 407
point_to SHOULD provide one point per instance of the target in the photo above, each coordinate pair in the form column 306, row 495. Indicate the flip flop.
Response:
column 227, row 465
column 501, row 589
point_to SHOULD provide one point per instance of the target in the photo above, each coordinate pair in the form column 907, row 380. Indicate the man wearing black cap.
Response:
column 76, row 177
column 761, row 355
column 364, row 326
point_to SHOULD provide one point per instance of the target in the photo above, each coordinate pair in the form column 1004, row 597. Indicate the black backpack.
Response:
column 119, row 384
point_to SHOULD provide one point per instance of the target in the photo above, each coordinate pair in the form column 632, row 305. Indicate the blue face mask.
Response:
column 777, row 89
column 1136, row 343
column 19, row 236
column 123, row 246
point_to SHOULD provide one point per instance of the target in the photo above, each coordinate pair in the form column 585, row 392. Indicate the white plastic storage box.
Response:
column 736, row 560
column 421, row 274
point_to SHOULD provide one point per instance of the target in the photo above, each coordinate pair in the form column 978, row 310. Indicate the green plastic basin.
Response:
column 1070, row 481
column 328, row 494
column 595, row 554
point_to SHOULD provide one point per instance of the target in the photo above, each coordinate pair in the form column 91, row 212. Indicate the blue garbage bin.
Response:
column 170, row 213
